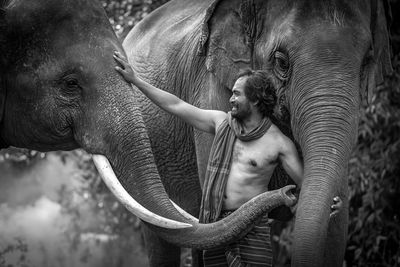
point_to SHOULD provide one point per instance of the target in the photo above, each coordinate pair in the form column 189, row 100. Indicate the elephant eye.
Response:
column 281, row 65
column 70, row 84
column 71, row 81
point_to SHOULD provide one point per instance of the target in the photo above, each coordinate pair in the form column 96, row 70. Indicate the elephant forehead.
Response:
column 41, row 15
column 297, row 23
column 34, row 29
column 282, row 28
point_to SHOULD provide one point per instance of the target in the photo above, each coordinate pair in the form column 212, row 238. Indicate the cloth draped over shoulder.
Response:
column 219, row 163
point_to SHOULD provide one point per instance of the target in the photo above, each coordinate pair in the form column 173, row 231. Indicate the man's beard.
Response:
column 241, row 113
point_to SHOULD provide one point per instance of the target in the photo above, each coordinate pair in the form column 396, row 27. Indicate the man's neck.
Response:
column 251, row 122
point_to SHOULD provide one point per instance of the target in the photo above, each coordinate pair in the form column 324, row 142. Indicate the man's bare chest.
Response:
column 256, row 154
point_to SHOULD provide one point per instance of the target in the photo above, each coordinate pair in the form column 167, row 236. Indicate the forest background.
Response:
column 55, row 210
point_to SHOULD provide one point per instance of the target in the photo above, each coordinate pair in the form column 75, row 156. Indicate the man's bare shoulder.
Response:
column 219, row 117
column 274, row 132
column 279, row 138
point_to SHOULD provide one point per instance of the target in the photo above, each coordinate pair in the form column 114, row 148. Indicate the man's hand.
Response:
column 288, row 196
column 125, row 70
column 336, row 206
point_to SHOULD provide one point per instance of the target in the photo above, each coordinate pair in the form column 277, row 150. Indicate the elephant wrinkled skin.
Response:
column 327, row 56
column 59, row 91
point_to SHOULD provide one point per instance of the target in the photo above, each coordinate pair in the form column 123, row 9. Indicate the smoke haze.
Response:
column 37, row 229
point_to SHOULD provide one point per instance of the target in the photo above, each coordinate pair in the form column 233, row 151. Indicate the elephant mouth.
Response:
column 107, row 174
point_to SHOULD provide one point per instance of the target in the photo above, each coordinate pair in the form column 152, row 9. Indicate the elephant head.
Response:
column 326, row 57
column 59, row 91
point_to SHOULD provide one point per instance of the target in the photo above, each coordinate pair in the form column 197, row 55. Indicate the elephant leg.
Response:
column 197, row 258
column 336, row 243
column 160, row 252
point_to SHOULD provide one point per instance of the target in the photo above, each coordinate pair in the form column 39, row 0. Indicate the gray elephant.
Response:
column 327, row 57
column 59, row 91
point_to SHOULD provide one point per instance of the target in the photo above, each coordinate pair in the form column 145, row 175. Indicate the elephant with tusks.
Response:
column 327, row 56
column 59, row 91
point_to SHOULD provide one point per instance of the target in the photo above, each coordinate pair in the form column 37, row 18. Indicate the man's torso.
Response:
column 251, row 169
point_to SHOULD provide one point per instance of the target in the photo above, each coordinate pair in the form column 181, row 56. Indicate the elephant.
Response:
column 59, row 91
column 326, row 56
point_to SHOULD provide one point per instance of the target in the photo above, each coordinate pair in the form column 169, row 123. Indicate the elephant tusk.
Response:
column 107, row 174
column 185, row 214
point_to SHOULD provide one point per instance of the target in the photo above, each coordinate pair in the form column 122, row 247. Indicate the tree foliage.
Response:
column 374, row 229
column 124, row 14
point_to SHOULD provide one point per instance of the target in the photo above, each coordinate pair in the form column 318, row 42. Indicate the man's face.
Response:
column 241, row 106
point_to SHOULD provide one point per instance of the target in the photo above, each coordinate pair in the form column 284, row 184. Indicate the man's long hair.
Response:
column 260, row 88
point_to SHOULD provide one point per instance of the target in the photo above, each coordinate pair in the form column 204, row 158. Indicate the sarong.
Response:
column 252, row 250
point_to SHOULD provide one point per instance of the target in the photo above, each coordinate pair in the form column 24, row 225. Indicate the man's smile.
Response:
column 234, row 107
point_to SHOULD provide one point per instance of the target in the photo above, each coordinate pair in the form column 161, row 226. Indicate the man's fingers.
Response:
column 120, row 61
column 121, row 71
column 333, row 213
column 119, row 55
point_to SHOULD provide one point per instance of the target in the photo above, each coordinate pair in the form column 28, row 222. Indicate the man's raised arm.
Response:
column 204, row 120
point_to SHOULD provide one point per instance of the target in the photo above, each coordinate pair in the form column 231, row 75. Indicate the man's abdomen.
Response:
column 238, row 191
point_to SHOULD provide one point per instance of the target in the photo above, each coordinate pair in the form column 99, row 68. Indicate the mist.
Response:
column 48, row 218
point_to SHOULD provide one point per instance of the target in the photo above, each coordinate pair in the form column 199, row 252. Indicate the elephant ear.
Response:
column 379, row 64
column 228, row 31
column 205, row 29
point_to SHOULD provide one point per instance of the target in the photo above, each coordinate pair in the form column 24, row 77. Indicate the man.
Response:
column 246, row 149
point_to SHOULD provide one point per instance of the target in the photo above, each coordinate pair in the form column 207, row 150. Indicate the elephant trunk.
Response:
column 132, row 160
column 324, row 120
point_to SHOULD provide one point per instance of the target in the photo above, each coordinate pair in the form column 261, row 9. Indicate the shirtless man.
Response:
column 253, row 162
column 258, row 146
